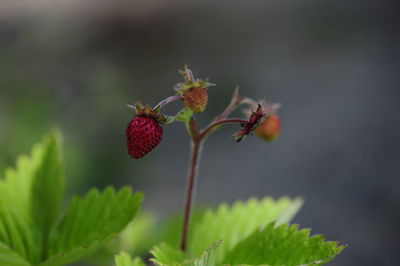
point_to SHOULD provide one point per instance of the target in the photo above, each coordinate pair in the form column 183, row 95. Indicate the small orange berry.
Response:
column 196, row 99
column 270, row 128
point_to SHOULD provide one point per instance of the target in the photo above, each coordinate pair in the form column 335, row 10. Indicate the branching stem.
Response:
column 198, row 136
column 213, row 125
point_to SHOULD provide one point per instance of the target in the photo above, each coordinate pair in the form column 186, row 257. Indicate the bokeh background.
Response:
column 73, row 65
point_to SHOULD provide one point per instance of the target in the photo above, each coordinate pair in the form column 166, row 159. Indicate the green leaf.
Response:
column 147, row 230
column 47, row 191
column 207, row 258
column 235, row 223
column 184, row 115
column 169, row 231
column 123, row 259
column 138, row 237
column 283, row 245
column 166, row 255
column 30, row 197
column 90, row 222
column 15, row 233
column 11, row 258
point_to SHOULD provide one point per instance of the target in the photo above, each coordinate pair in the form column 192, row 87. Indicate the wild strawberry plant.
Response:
column 251, row 233
column 34, row 230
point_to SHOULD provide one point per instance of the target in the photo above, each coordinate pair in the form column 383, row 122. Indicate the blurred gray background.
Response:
column 334, row 65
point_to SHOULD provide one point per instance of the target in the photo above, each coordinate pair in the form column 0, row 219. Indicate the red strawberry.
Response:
column 143, row 134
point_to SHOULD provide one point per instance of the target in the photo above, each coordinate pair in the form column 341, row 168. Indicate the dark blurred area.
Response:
column 334, row 65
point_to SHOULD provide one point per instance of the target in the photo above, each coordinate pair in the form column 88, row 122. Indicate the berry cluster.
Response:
column 144, row 131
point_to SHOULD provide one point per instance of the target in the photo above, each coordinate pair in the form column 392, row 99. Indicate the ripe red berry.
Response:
column 269, row 128
column 143, row 134
column 196, row 99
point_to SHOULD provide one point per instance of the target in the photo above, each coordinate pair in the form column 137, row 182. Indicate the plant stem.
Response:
column 236, row 100
column 211, row 126
column 196, row 146
column 168, row 100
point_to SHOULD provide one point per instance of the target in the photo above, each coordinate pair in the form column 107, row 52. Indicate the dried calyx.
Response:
column 145, row 110
column 268, row 128
column 252, row 123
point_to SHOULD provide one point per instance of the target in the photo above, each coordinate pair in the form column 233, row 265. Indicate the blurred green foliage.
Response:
column 34, row 231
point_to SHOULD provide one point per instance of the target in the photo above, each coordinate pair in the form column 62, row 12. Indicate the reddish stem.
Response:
column 198, row 136
column 168, row 100
column 195, row 156
column 196, row 145
column 235, row 102
column 211, row 126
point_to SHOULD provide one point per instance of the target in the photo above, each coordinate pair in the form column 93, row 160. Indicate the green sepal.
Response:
column 180, row 88
column 169, row 120
column 184, row 115
column 138, row 106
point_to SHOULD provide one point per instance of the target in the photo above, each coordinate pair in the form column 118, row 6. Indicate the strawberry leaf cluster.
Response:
column 255, row 232
column 33, row 228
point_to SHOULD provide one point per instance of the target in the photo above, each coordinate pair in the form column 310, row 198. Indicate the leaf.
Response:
column 169, row 231
column 166, row 255
column 11, row 258
column 16, row 235
column 184, row 115
column 138, row 237
column 283, row 245
column 123, row 259
column 208, row 256
column 147, row 230
column 30, row 197
column 47, row 191
column 90, row 222
column 235, row 223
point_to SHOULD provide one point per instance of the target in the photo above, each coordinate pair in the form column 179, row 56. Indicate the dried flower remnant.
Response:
column 255, row 119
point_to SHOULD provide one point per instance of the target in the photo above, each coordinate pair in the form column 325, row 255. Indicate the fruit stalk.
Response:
column 215, row 124
column 169, row 100
column 198, row 138
column 196, row 146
